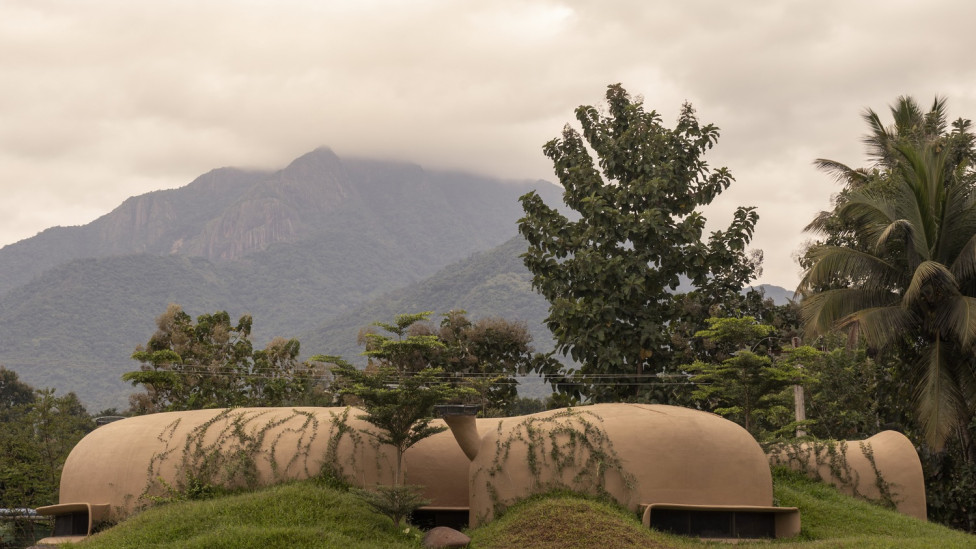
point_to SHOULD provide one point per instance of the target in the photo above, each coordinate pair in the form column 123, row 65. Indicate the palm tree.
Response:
column 905, row 273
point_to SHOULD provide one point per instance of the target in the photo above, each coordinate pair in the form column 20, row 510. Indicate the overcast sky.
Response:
column 104, row 99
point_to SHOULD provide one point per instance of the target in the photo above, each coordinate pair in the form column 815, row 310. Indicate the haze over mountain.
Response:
column 316, row 251
column 294, row 248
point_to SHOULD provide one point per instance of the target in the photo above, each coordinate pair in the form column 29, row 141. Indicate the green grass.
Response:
column 831, row 519
column 296, row 515
column 311, row 515
column 566, row 521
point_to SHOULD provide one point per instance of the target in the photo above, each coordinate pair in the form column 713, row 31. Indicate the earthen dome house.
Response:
column 671, row 463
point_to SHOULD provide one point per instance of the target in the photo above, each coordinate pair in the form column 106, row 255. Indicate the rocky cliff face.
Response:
column 228, row 213
column 292, row 247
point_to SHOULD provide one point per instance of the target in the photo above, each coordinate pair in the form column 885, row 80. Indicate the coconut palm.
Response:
column 906, row 273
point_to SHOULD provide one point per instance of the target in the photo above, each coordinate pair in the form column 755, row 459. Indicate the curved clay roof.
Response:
column 123, row 461
column 854, row 467
column 636, row 453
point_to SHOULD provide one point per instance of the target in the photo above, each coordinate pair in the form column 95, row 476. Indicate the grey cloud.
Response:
column 102, row 99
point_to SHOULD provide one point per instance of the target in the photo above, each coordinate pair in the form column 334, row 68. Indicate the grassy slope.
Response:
column 309, row 515
column 566, row 522
column 293, row 515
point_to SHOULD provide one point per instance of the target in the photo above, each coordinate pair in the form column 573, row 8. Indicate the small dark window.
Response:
column 714, row 524
column 71, row 524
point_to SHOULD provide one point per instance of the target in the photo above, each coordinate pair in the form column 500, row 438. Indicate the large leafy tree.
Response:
column 897, row 261
column 610, row 276
column 211, row 363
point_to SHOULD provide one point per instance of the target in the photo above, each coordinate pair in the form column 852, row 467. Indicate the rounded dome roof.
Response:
column 636, row 453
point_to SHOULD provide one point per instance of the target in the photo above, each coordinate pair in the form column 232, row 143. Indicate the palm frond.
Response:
column 881, row 326
column 958, row 221
column 822, row 223
column 958, row 317
column 873, row 215
column 898, row 227
column 935, row 119
column 840, row 264
column 963, row 267
column 907, row 115
column 825, row 311
column 938, row 398
column 878, row 141
column 930, row 279
column 841, row 172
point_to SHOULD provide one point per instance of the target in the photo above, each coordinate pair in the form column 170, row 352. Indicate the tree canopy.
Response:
column 212, row 364
column 611, row 274
column 897, row 261
column 38, row 431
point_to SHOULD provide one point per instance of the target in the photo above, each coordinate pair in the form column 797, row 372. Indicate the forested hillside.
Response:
column 490, row 283
column 293, row 248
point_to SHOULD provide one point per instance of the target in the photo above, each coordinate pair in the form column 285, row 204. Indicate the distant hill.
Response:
column 293, row 248
column 493, row 283
column 779, row 295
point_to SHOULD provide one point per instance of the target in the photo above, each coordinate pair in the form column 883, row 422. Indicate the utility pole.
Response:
column 799, row 400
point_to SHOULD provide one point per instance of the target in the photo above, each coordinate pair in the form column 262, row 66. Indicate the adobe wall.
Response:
column 883, row 468
column 128, row 462
column 635, row 453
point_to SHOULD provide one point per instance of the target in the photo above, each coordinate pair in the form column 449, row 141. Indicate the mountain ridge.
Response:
column 292, row 247
column 315, row 250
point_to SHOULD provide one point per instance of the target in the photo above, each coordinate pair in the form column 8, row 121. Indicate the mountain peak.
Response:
column 322, row 157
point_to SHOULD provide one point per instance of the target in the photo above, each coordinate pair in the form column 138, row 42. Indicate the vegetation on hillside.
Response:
column 74, row 300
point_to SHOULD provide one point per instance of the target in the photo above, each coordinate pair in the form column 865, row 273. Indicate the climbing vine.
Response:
column 568, row 450
column 812, row 457
column 231, row 450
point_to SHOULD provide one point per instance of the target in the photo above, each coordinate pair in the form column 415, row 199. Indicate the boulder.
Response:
column 442, row 537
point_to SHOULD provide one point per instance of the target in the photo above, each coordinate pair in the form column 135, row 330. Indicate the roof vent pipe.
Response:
column 460, row 418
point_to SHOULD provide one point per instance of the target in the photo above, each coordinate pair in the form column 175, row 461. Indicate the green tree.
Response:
column 13, row 393
column 845, row 395
column 36, row 436
column 897, row 263
column 610, row 276
column 747, row 387
column 398, row 391
column 487, row 354
column 212, row 364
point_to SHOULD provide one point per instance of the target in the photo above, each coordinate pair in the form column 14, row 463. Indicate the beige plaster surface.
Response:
column 124, row 461
column 673, row 455
column 894, row 456
column 637, row 454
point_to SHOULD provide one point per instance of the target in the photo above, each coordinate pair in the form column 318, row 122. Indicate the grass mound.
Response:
column 831, row 519
column 565, row 521
column 296, row 515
